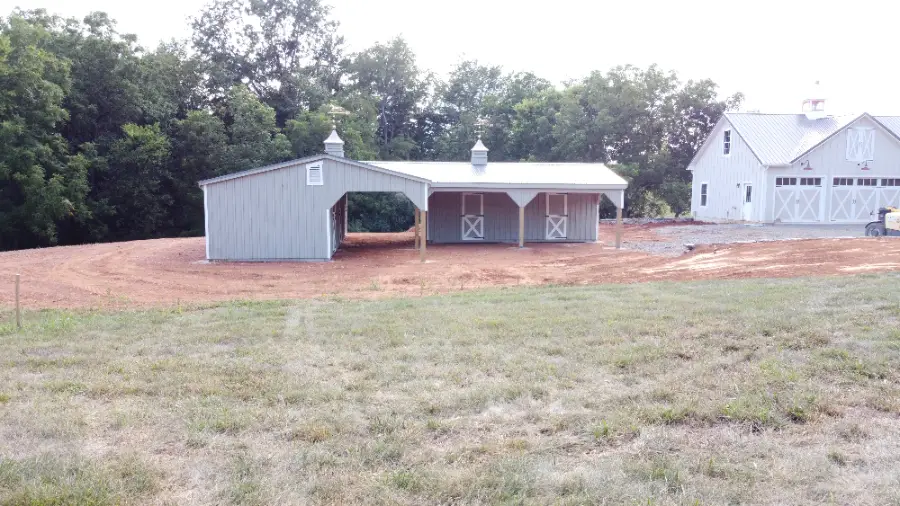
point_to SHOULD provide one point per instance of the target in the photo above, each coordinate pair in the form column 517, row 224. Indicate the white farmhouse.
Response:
column 797, row 168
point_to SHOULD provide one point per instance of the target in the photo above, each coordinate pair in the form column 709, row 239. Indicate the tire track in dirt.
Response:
column 166, row 271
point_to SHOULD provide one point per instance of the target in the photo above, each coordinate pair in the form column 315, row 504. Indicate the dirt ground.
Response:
column 170, row 271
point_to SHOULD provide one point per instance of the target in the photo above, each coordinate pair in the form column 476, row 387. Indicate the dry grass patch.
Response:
column 766, row 392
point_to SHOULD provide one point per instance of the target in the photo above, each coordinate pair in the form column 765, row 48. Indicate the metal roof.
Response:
column 300, row 161
column 779, row 139
column 465, row 175
column 892, row 123
column 514, row 174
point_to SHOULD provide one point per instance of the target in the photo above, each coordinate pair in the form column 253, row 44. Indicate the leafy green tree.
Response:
column 40, row 185
column 101, row 139
column 306, row 133
column 379, row 212
column 469, row 93
column 645, row 119
column 105, row 93
column 199, row 149
column 253, row 137
column 136, row 183
column 677, row 195
column 479, row 99
column 170, row 83
column 533, row 124
column 388, row 75
column 285, row 51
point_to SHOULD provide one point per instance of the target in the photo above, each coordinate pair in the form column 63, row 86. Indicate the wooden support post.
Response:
column 417, row 219
column 521, row 227
column 618, row 227
column 346, row 214
column 423, row 241
column 18, row 311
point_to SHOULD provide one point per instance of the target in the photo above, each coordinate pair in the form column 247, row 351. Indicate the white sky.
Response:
column 772, row 51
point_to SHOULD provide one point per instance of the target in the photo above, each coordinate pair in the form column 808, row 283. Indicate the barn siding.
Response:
column 724, row 175
column 501, row 218
column 274, row 215
column 830, row 160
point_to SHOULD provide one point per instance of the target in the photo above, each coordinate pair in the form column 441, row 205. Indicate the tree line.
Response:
column 102, row 139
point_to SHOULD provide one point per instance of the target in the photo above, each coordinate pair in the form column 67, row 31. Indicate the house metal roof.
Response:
column 892, row 123
column 511, row 174
column 779, row 139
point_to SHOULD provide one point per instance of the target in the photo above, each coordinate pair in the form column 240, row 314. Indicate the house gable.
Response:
column 866, row 120
column 713, row 142
column 723, row 174
column 828, row 158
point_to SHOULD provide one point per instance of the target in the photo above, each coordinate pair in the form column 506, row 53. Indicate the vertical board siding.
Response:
column 827, row 161
column 830, row 160
column 274, row 215
column 724, row 173
column 501, row 218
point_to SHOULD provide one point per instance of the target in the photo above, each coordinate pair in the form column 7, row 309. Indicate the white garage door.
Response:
column 889, row 193
column 857, row 199
column 798, row 199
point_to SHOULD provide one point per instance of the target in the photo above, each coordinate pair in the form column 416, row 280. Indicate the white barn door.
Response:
column 785, row 203
column 557, row 216
column 889, row 192
column 809, row 204
column 866, row 198
column 855, row 199
column 472, row 216
column 841, row 202
column 798, row 199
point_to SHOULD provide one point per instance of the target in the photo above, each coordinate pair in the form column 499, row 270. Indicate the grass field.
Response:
column 763, row 392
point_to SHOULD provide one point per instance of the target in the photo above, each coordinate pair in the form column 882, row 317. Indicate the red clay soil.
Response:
column 166, row 271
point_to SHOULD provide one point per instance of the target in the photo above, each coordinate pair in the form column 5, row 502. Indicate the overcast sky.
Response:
column 772, row 51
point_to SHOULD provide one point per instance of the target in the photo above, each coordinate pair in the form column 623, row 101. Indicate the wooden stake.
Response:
column 423, row 218
column 521, row 227
column 618, row 227
column 418, row 218
column 18, row 312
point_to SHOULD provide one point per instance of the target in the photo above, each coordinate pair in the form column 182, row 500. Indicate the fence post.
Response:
column 18, row 311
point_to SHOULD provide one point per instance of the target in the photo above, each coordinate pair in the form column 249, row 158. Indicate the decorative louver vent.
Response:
column 314, row 174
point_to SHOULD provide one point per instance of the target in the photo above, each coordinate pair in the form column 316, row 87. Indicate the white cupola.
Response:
column 334, row 146
column 814, row 106
column 479, row 153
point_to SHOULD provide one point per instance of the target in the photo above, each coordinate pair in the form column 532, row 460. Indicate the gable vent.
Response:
column 314, row 174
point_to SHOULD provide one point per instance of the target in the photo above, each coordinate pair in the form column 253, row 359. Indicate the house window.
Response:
column 890, row 182
column 314, row 174
column 810, row 181
column 866, row 182
column 703, row 188
column 726, row 142
column 842, row 181
column 748, row 194
column 785, row 181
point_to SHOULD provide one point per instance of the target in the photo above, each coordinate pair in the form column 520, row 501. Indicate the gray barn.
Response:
column 297, row 210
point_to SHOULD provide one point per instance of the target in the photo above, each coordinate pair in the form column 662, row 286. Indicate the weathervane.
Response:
column 480, row 123
column 335, row 111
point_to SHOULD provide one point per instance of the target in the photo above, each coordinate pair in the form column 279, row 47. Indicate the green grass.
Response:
column 725, row 392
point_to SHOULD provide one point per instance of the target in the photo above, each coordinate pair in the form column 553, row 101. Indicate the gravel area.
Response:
column 674, row 239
